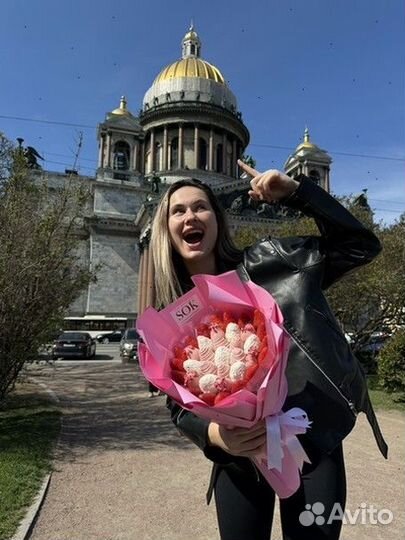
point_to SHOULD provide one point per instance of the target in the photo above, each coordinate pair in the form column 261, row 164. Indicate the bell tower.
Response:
column 120, row 140
column 191, row 44
column 310, row 160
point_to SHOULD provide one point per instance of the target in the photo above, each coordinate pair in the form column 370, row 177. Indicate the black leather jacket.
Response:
column 324, row 378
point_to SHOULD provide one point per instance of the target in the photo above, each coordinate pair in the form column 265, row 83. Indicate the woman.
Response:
column 190, row 236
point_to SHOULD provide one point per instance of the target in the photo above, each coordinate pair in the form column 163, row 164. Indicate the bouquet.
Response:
column 220, row 351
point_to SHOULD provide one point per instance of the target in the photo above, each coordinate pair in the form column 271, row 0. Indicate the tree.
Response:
column 40, row 271
column 373, row 298
column 391, row 363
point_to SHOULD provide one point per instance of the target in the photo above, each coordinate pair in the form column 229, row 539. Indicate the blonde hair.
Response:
column 170, row 272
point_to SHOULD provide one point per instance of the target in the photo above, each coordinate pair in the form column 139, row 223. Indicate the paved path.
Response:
column 123, row 473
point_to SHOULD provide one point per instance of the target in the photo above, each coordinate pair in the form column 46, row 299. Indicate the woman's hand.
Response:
column 238, row 441
column 269, row 186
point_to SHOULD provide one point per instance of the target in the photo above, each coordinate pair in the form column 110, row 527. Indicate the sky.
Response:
column 336, row 66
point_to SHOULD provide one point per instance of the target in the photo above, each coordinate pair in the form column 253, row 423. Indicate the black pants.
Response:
column 245, row 504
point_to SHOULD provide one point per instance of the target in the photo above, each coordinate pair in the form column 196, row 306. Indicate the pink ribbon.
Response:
column 282, row 429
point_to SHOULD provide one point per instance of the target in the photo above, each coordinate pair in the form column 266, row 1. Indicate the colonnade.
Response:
column 198, row 133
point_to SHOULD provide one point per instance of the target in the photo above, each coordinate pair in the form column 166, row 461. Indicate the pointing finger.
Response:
column 249, row 170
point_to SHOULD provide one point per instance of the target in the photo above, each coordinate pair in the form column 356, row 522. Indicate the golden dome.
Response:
column 191, row 35
column 307, row 143
column 122, row 109
column 190, row 67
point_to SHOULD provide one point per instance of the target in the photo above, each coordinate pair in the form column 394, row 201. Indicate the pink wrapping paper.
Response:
column 264, row 399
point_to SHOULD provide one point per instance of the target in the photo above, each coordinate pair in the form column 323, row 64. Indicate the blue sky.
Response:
column 337, row 66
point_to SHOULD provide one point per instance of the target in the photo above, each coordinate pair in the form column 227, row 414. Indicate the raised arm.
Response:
column 344, row 241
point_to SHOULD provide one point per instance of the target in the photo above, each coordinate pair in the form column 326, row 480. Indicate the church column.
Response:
column 180, row 149
column 101, row 151
column 142, row 157
column 234, row 167
column 165, row 149
column 169, row 155
column 196, row 145
column 327, row 185
column 211, row 151
column 152, row 150
column 108, row 164
column 135, row 160
column 224, row 149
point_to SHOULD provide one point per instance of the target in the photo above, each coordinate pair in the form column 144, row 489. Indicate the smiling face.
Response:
column 193, row 229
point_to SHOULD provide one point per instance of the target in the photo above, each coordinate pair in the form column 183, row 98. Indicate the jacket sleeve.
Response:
column 196, row 429
column 345, row 242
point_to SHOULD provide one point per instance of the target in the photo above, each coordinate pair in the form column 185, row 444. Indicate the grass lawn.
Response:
column 382, row 399
column 29, row 426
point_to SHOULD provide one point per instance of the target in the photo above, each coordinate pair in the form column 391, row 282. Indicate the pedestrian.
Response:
column 190, row 236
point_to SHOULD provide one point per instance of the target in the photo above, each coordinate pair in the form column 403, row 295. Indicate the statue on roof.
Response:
column 155, row 182
column 32, row 156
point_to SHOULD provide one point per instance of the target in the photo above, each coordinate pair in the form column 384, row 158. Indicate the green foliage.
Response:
column 391, row 363
column 372, row 299
column 28, row 429
column 246, row 236
column 40, row 271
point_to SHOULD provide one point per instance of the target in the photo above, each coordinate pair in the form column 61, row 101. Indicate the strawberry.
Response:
column 180, row 353
column 236, row 386
column 262, row 355
column 208, row 398
column 258, row 318
column 261, row 331
column 191, row 383
column 228, row 318
column 243, row 320
column 191, row 341
column 220, row 396
column 217, row 322
column 203, row 330
column 263, row 343
column 177, row 363
column 178, row 376
column 251, row 370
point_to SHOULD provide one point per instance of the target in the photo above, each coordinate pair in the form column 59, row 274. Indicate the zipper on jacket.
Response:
column 256, row 471
column 181, row 413
column 348, row 401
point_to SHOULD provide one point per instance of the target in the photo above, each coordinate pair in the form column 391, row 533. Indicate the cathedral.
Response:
column 189, row 125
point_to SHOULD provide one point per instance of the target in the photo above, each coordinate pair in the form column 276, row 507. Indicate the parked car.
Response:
column 129, row 344
column 110, row 337
column 74, row 345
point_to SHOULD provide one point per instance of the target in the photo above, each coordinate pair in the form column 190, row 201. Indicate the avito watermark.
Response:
column 365, row 514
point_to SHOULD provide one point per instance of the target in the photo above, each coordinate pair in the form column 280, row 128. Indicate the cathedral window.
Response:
column 174, row 154
column 219, row 161
column 121, row 156
column 202, row 154
column 158, row 156
column 315, row 176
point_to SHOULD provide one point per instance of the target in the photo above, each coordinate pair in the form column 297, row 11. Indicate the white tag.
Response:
column 184, row 312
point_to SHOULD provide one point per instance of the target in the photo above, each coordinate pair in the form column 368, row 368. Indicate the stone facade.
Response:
column 189, row 126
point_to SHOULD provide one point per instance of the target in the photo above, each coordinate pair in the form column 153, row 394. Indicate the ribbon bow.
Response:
column 282, row 429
